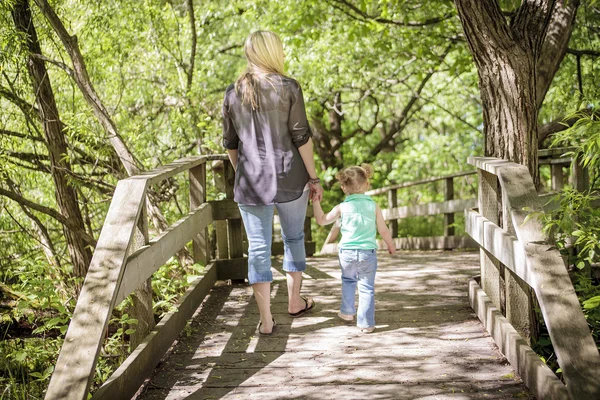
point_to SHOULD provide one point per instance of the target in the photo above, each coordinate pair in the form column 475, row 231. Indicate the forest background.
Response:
column 391, row 83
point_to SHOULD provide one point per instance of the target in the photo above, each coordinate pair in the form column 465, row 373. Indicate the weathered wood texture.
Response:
column 79, row 354
column 418, row 243
column 574, row 346
column 197, row 178
column 127, row 379
column 535, row 373
column 428, row 343
column 385, row 189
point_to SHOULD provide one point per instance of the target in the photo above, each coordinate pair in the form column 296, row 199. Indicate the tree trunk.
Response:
column 66, row 196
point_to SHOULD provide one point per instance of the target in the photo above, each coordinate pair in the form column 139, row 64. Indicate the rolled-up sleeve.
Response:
column 231, row 139
column 297, row 121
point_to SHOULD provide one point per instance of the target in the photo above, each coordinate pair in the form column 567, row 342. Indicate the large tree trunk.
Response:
column 66, row 196
column 507, row 60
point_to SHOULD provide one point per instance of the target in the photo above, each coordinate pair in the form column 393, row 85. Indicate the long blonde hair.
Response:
column 264, row 53
column 354, row 179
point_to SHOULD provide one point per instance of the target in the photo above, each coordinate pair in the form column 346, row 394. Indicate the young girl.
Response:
column 361, row 218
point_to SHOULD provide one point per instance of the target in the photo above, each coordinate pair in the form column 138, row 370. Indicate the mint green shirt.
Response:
column 358, row 223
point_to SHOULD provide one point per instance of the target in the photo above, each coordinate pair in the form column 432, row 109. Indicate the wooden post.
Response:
column 519, row 297
column 234, row 226
column 556, row 171
column 141, row 309
column 393, row 203
column 222, row 250
column 449, row 218
column 197, row 177
column 580, row 176
column 488, row 207
column 308, row 237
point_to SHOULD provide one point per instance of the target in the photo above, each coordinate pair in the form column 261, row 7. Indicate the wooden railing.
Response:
column 125, row 258
column 393, row 213
column 515, row 256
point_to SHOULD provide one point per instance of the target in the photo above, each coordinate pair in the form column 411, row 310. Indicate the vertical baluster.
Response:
column 449, row 217
column 488, row 207
column 197, row 176
column 393, row 203
column 234, row 226
column 556, row 171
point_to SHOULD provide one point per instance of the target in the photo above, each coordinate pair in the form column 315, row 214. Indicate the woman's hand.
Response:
column 316, row 191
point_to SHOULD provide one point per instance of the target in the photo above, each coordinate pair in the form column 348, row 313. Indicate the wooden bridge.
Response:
column 438, row 333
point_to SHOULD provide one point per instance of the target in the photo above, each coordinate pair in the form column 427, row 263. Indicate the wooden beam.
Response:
column 140, row 364
column 197, row 176
column 76, row 362
column 417, row 243
column 443, row 207
column 234, row 226
column 393, row 203
column 449, row 217
column 235, row 268
column 535, row 373
column 143, row 263
column 570, row 335
column 497, row 243
column 415, row 183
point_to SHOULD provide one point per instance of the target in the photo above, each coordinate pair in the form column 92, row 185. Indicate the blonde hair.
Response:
column 264, row 54
column 354, row 178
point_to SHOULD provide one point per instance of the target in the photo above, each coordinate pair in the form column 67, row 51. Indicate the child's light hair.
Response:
column 264, row 53
column 354, row 179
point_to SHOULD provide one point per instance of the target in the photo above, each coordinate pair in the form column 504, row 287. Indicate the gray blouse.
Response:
column 270, row 169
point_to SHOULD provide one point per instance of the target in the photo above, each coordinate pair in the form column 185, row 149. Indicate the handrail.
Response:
column 386, row 189
column 102, row 286
column 539, row 264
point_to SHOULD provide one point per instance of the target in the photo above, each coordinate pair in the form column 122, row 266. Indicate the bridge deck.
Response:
column 428, row 343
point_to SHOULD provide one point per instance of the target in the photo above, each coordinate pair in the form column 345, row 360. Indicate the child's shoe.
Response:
column 346, row 317
column 367, row 330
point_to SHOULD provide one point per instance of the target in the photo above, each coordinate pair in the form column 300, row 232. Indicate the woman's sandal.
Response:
column 267, row 334
column 305, row 309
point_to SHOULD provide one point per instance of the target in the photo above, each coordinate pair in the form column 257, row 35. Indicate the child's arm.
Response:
column 321, row 217
column 385, row 232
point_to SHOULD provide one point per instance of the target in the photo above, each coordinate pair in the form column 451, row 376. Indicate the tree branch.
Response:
column 48, row 211
column 363, row 16
column 190, row 71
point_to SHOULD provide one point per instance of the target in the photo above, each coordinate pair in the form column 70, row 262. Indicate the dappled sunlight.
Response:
column 428, row 342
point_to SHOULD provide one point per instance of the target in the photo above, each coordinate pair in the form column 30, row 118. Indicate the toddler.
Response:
column 361, row 219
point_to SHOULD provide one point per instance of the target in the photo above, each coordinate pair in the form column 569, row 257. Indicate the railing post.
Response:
column 580, row 175
column 234, row 226
column 488, row 208
column 222, row 251
column 308, row 236
column 197, row 176
column 449, row 218
column 556, row 172
column 141, row 308
column 393, row 203
column 519, row 301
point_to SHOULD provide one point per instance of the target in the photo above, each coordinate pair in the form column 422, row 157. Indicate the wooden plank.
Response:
column 580, row 177
column 534, row 372
column 417, row 243
column 197, row 176
column 78, row 356
column 497, row 243
column 556, row 172
column 234, row 226
column 575, row 348
column 421, row 182
column 236, row 268
column 127, row 379
column 161, row 173
column 449, row 217
column 393, row 203
column 142, row 264
column 444, row 207
column 554, row 152
column 488, row 207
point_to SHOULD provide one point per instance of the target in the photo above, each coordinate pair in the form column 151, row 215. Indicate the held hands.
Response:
column 316, row 191
column 392, row 249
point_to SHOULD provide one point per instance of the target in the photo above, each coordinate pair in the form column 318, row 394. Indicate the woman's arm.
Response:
column 233, row 157
column 308, row 158
column 321, row 217
column 385, row 232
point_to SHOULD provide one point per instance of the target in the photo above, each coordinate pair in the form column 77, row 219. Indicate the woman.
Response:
column 268, row 139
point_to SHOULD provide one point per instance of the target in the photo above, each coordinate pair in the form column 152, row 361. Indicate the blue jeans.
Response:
column 358, row 268
column 258, row 222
